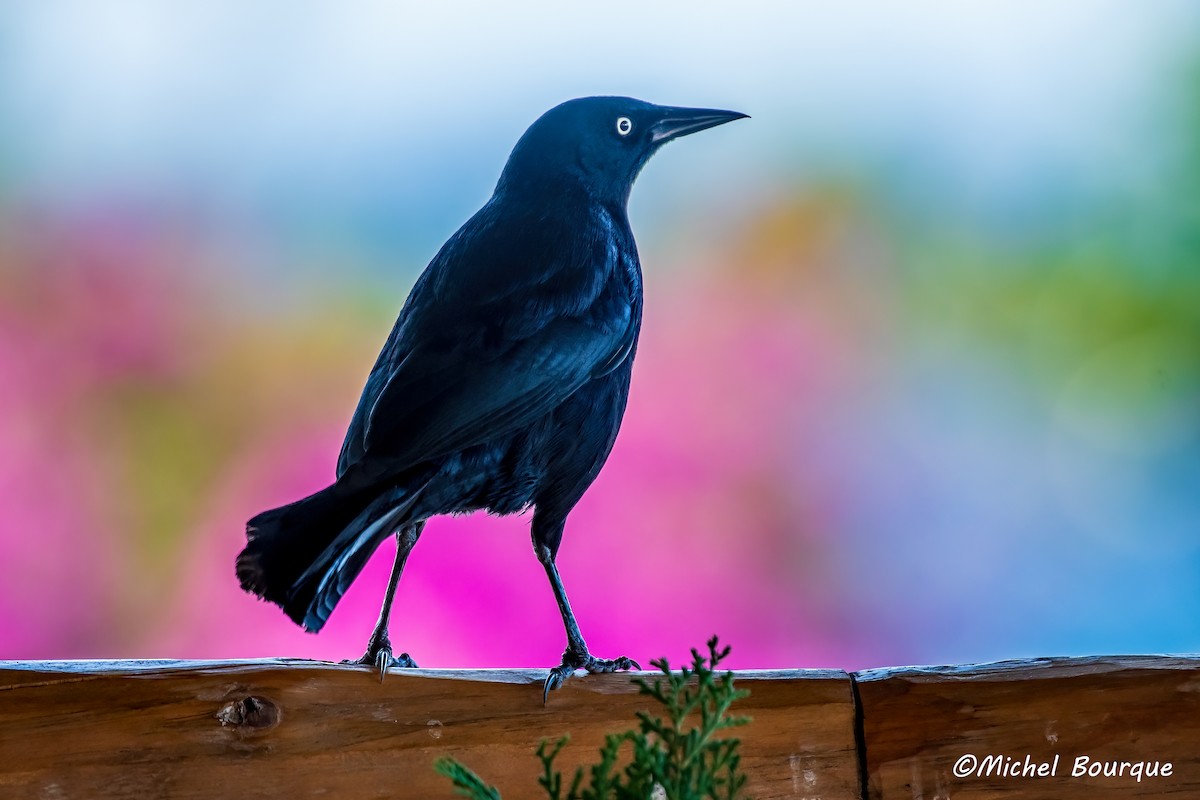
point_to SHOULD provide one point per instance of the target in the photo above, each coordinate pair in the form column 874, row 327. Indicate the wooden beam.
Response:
column 1019, row 729
column 279, row 728
column 295, row 729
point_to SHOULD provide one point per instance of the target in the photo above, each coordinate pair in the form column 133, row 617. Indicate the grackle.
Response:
column 503, row 382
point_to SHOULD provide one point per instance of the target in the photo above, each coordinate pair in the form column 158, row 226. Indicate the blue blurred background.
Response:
column 920, row 374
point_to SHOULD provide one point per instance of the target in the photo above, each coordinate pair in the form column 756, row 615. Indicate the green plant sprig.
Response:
column 669, row 758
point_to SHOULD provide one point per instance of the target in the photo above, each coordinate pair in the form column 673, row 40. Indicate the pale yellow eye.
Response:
column 624, row 125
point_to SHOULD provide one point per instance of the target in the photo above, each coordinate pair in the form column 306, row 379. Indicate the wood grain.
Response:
column 279, row 728
column 918, row 723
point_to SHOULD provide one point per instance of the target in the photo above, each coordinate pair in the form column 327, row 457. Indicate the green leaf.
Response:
column 466, row 782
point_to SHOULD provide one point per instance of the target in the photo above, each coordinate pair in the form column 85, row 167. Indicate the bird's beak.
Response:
column 676, row 122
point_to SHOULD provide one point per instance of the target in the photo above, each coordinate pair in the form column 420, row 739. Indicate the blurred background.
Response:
column 920, row 374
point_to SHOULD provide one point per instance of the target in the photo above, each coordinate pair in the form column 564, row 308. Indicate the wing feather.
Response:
column 435, row 404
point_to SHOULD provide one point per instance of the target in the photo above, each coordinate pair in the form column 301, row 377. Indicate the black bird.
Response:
column 503, row 382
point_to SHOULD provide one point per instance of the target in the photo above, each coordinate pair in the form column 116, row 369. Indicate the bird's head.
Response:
column 599, row 143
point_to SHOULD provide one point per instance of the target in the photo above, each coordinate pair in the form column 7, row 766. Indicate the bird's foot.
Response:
column 379, row 655
column 573, row 660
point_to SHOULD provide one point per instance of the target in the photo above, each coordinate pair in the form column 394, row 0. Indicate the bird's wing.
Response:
column 353, row 445
column 491, row 338
column 438, row 402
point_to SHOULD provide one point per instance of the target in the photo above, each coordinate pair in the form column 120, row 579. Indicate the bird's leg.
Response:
column 379, row 646
column 576, row 655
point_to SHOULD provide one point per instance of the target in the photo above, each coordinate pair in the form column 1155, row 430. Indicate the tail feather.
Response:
column 318, row 590
column 303, row 556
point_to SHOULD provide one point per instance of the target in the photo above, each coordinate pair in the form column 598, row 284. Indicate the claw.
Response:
column 573, row 661
column 379, row 655
column 555, row 679
column 382, row 660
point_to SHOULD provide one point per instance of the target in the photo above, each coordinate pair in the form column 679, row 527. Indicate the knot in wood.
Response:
column 251, row 714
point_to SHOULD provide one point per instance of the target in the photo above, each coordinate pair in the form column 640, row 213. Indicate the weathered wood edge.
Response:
column 1012, row 669
column 144, row 667
column 1031, row 668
